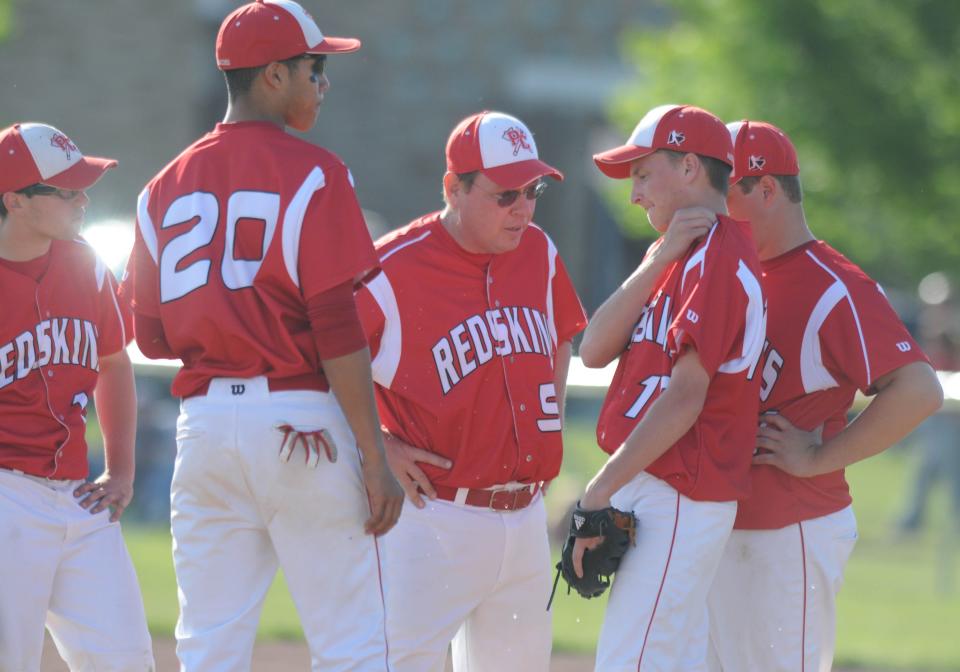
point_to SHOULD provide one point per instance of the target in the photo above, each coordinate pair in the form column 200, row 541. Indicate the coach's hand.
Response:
column 787, row 447
column 687, row 226
column 107, row 491
column 403, row 460
column 385, row 495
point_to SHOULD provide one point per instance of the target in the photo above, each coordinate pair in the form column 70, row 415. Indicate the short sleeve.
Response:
column 335, row 245
column 115, row 321
column 140, row 289
column 569, row 315
column 711, row 309
column 863, row 338
column 371, row 317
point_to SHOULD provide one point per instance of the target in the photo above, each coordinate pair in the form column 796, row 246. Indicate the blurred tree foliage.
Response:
column 869, row 92
column 6, row 11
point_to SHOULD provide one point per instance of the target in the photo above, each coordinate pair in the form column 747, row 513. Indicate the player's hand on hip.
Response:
column 107, row 491
column 687, row 226
column 385, row 496
column 787, row 447
column 403, row 459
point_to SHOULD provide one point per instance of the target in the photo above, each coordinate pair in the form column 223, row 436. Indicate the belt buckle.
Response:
column 503, row 499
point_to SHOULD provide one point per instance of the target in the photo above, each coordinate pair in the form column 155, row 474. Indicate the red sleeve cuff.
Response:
column 335, row 322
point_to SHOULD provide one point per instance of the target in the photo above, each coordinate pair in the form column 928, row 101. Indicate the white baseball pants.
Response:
column 773, row 602
column 68, row 569
column 656, row 618
column 478, row 577
column 238, row 513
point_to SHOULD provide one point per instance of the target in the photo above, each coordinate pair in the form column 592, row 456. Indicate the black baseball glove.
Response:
column 619, row 532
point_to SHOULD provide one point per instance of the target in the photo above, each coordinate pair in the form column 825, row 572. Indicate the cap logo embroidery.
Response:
column 62, row 142
column 676, row 138
column 518, row 139
column 755, row 162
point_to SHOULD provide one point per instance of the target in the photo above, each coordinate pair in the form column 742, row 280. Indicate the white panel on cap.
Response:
column 642, row 135
column 505, row 139
column 734, row 128
column 311, row 32
column 52, row 151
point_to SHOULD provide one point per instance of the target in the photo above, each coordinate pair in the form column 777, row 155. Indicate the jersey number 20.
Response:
column 205, row 209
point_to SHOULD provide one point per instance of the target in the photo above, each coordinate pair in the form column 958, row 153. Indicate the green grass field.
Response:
column 896, row 610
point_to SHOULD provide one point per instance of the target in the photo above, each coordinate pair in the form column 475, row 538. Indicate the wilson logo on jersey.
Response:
column 473, row 342
column 60, row 340
column 654, row 322
column 904, row 346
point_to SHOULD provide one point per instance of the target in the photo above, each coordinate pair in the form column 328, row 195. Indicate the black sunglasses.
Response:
column 319, row 62
column 46, row 190
column 507, row 198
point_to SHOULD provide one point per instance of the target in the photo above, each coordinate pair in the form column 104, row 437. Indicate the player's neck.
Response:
column 18, row 243
column 244, row 109
column 787, row 233
column 710, row 199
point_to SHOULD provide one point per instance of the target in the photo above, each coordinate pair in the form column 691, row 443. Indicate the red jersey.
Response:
column 233, row 237
column 464, row 351
column 57, row 324
column 830, row 332
column 710, row 300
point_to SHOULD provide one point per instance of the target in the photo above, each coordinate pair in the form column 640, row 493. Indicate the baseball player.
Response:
column 247, row 249
column 62, row 340
column 687, row 327
column 830, row 332
column 471, row 320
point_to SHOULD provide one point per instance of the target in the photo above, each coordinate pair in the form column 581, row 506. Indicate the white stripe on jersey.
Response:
column 551, row 274
column 755, row 327
column 147, row 232
column 385, row 364
column 293, row 221
column 406, row 244
column 699, row 257
column 813, row 373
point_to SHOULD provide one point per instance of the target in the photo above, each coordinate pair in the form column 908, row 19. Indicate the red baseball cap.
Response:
column 680, row 128
column 761, row 149
column 499, row 146
column 273, row 30
column 31, row 153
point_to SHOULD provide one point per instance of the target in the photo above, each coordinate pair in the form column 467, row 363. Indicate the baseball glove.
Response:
column 619, row 532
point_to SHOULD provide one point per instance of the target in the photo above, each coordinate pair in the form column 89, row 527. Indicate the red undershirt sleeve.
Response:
column 335, row 322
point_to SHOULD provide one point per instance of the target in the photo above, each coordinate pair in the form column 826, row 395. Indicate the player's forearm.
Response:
column 609, row 330
column 561, row 366
column 351, row 381
column 911, row 394
column 669, row 418
column 115, row 397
